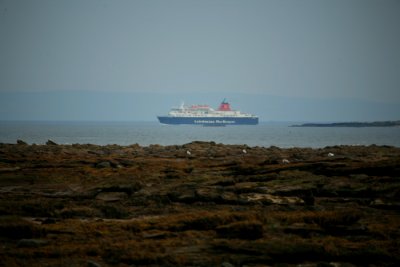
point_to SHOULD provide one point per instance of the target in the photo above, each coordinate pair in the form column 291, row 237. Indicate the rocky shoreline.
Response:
column 199, row 204
column 352, row 124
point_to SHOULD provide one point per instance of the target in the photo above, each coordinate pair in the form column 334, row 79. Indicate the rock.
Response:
column 254, row 198
column 227, row 264
column 243, row 230
column 103, row 164
column 184, row 195
column 13, row 169
column 303, row 229
column 20, row 142
column 156, row 235
column 229, row 198
column 309, row 199
column 111, row 196
column 384, row 204
column 207, row 194
column 51, row 143
column 129, row 189
column 31, row 243
column 246, row 187
column 91, row 263
column 49, row 221
column 127, row 162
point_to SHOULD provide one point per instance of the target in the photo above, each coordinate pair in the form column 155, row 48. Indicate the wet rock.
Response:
column 156, row 235
column 227, row 264
column 308, row 198
column 51, row 143
column 345, row 230
column 207, row 194
column 17, row 228
column 97, row 152
column 129, row 189
column 256, row 198
column 31, row 243
column 172, row 174
column 91, row 263
column 381, row 203
column 184, row 196
column 21, row 142
column 49, row 221
column 13, row 169
column 103, row 164
column 249, row 187
column 303, row 229
column 229, row 198
column 111, row 196
column 241, row 230
column 127, row 162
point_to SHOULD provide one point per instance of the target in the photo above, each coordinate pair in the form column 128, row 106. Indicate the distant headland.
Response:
column 352, row 124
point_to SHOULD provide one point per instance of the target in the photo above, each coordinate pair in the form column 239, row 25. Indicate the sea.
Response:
column 266, row 134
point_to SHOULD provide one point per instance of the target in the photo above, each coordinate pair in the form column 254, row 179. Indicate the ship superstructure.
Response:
column 205, row 115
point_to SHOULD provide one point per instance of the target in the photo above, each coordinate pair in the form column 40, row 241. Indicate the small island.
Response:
column 352, row 124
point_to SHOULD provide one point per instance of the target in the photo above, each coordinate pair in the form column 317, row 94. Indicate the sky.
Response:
column 156, row 52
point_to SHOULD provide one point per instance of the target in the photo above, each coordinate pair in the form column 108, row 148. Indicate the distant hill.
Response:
column 145, row 106
column 352, row 124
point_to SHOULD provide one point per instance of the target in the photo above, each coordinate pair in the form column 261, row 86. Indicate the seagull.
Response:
column 331, row 154
column 244, row 151
column 188, row 152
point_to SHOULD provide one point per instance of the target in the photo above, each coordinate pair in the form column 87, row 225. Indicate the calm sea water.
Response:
column 146, row 133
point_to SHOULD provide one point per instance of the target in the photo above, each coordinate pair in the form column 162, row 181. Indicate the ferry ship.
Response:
column 207, row 116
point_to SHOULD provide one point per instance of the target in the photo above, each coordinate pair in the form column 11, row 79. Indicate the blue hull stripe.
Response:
column 208, row 120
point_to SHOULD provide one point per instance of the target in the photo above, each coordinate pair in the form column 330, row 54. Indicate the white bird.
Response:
column 285, row 161
column 244, row 151
column 331, row 154
column 188, row 152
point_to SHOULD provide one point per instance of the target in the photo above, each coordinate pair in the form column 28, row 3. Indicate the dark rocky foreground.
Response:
column 200, row 204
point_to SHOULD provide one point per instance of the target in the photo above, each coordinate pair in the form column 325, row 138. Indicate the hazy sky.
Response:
column 305, row 48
